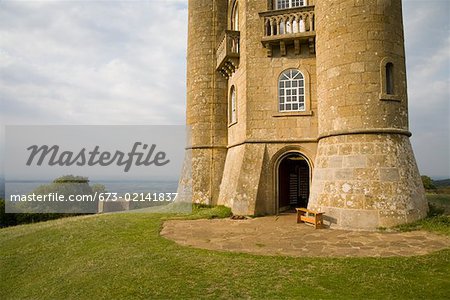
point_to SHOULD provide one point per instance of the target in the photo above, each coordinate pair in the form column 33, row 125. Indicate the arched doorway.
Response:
column 293, row 182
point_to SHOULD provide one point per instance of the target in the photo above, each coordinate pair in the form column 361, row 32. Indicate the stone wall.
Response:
column 261, row 132
column 366, row 181
column 354, row 132
column 206, row 100
column 366, row 175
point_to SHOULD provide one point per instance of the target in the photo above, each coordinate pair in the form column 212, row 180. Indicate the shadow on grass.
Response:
column 202, row 211
column 436, row 221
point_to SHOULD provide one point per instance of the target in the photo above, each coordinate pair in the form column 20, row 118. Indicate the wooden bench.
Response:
column 305, row 215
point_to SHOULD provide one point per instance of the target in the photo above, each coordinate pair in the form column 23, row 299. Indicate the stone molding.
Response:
column 365, row 131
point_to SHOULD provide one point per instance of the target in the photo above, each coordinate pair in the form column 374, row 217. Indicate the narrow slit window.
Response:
column 235, row 17
column 390, row 78
column 233, row 108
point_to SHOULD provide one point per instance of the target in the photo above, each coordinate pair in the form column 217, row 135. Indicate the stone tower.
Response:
column 206, row 101
column 365, row 174
column 296, row 103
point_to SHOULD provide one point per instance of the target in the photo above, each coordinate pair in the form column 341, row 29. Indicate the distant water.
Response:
column 119, row 187
column 2, row 187
column 136, row 196
column 139, row 186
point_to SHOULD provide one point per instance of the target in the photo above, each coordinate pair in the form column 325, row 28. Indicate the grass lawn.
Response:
column 440, row 220
column 441, row 201
column 123, row 256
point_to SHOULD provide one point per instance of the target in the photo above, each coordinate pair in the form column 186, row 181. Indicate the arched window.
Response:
column 390, row 78
column 233, row 106
column 291, row 91
column 235, row 17
column 390, row 88
column 283, row 4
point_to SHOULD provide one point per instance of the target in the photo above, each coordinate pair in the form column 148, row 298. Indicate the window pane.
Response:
column 390, row 79
column 282, row 4
column 298, row 76
column 232, row 115
column 235, row 18
column 291, row 91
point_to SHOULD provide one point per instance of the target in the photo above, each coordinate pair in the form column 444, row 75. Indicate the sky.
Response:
column 124, row 63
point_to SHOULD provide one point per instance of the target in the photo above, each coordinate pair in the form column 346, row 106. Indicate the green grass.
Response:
column 122, row 256
column 438, row 219
column 205, row 212
column 438, row 224
column 441, row 201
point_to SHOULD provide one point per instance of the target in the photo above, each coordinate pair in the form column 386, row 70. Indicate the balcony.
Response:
column 287, row 27
column 228, row 53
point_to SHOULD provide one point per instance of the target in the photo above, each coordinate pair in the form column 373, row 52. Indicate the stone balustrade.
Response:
column 289, row 26
column 228, row 53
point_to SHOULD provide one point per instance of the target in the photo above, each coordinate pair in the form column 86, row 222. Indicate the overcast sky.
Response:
column 111, row 62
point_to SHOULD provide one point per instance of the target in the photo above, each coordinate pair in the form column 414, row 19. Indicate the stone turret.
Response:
column 206, row 101
column 365, row 173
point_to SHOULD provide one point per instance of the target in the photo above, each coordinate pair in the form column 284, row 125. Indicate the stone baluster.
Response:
column 288, row 24
column 292, row 23
column 278, row 26
column 273, row 22
column 295, row 24
column 302, row 24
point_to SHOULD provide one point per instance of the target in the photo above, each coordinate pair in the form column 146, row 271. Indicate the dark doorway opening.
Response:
column 293, row 182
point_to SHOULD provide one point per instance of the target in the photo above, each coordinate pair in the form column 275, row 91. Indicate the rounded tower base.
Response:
column 367, row 181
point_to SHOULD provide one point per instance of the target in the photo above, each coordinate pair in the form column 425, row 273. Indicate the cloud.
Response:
column 93, row 62
column 123, row 62
column 96, row 62
column 428, row 65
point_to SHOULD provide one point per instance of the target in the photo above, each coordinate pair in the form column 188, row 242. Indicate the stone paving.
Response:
column 280, row 235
